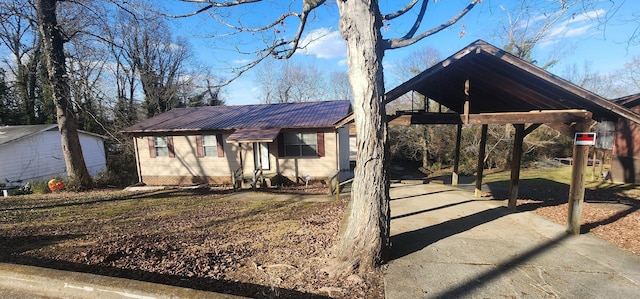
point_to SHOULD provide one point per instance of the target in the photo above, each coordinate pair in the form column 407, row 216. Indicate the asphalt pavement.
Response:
column 449, row 244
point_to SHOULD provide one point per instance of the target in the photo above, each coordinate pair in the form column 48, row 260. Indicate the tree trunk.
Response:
column 56, row 68
column 365, row 242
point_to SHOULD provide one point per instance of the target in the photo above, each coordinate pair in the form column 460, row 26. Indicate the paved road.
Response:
column 448, row 244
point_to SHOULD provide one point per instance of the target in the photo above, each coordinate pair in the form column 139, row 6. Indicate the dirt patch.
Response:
column 612, row 214
column 190, row 238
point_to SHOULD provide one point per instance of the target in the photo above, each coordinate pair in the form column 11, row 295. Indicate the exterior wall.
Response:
column 344, row 148
column 316, row 167
column 39, row 157
column 93, row 152
column 625, row 164
column 186, row 168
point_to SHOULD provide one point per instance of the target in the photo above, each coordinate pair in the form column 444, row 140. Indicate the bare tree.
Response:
column 290, row 82
column 530, row 23
column 19, row 33
column 630, row 77
column 366, row 240
column 339, row 88
column 55, row 60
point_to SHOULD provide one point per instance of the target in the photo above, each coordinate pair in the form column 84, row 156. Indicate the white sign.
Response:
column 585, row 138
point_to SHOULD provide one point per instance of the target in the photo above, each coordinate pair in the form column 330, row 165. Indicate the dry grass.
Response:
column 195, row 239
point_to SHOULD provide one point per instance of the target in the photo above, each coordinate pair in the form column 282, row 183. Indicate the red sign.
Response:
column 585, row 139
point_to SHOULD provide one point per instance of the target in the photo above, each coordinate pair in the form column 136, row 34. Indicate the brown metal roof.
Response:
column 221, row 118
column 254, row 135
column 501, row 82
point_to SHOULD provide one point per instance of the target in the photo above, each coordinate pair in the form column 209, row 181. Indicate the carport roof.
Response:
column 500, row 82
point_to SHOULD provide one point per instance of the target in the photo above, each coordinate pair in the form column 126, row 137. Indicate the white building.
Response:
column 33, row 153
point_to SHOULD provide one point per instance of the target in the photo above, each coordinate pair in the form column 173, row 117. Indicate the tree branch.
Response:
column 395, row 43
column 393, row 15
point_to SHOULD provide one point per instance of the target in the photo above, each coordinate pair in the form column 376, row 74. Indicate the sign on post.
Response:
column 585, row 139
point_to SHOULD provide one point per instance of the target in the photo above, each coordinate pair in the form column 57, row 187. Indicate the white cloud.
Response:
column 323, row 43
column 241, row 61
column 577, row 25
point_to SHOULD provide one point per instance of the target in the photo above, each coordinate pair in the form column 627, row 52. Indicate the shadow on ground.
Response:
column 540, row 192
column 198, row 283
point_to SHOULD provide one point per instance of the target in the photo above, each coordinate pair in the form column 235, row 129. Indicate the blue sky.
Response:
column 581, row 37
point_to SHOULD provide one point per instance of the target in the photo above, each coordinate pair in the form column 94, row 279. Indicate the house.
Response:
column 625, row 157
column 33, row 153
column 227, row 144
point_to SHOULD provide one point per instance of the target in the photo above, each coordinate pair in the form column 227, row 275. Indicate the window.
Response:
column 161, row 146
column 301, row 144
column 210, row 145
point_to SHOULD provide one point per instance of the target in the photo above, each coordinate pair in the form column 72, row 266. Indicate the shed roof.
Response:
column 501, row 82
column 12, row 133
column 264, row 116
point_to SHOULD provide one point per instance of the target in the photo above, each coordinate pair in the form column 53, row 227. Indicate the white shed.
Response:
column 33, row 153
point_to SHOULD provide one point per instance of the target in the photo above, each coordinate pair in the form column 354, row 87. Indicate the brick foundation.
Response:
column 185, row 180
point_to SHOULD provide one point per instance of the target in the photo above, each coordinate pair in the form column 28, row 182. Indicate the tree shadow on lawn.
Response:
column 13, row 249
column 71, row 202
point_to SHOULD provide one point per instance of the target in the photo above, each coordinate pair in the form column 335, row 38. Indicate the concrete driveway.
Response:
column 448, row 244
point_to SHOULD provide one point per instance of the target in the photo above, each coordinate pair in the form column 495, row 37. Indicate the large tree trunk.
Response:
column 365, row 242
column 56, row 68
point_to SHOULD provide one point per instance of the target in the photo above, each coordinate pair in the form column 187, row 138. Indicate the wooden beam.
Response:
column 537, row 117
column 481, row 153
column 456, row 159
column 534, row 117
column 576, row 190
column 516, row 160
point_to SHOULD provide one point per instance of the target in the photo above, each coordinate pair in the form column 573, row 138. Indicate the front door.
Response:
column 261, row 155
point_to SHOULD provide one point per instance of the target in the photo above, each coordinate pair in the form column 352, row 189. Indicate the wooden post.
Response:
column 576, row 190
column 593, row 165
column 456, row 159
column 481, row 153
column 515, row 165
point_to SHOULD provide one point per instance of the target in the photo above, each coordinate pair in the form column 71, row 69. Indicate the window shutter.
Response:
column 172, row 154
column 320, row 144
column 199, row 146
column 152, row 147
column 220, row 145
column 281, row 145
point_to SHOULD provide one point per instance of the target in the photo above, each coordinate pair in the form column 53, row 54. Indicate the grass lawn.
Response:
column 196, row 239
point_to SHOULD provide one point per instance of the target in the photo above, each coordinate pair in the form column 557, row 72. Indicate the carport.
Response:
column 484, row 85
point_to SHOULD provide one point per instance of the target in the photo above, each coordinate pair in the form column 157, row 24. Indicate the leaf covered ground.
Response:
column 610, row 211
column 196, row 239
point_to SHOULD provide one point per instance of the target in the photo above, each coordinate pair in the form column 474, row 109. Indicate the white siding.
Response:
column 39, row 157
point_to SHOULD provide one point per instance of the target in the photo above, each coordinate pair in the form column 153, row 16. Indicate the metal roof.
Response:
column 223, row 118
column 501, row 82
column 254, row 135
column 13, row 133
